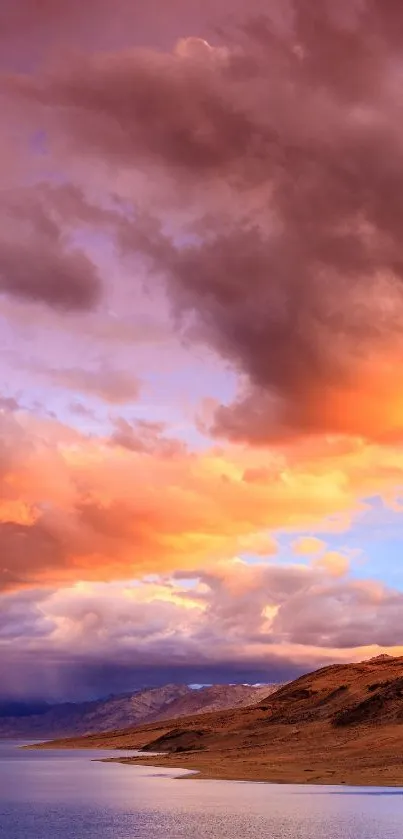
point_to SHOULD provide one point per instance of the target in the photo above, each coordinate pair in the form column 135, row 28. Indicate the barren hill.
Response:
column 128, row 709
column 340, row 724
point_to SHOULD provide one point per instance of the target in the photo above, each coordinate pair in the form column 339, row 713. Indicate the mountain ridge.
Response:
column 341, row 724
column 122, row 710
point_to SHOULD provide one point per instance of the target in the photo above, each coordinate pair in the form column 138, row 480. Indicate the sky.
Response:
column 201, row 310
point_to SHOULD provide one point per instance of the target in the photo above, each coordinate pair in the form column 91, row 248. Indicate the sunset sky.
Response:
column 201, row 311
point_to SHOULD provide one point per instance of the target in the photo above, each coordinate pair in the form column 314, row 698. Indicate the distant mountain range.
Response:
column 130, row 709
column 342, row 724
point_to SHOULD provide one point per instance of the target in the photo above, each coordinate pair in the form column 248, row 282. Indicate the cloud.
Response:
column 42, row 26
column 308, row 545
column 114, row 386
column 296, row 276
column 145, row 437
column 347, row 615
column 255, row 182
column 28, row 550
column 77, row 507
column 28, row 16
column 38, row 260
column 232, row 622
column 83, row 507
column 78, row 409
column 97, row 116
column 335, row 563
column 9, row 403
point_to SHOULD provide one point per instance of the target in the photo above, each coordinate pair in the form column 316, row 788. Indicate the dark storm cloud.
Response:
column 298, row 281
column 56, row 679
column 38, row 259
column 245, row 623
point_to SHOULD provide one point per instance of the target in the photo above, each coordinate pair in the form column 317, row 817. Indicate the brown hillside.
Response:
column 340, row 724
column 131, row 709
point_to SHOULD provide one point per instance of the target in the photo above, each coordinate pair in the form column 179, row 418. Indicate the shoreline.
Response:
column 195, row 768
column 200, row 775
column 345, row 761
column 219, row 768
column 339, row 726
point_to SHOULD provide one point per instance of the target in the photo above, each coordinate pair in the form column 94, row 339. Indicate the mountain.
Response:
column 340, row 724
column 121, row 711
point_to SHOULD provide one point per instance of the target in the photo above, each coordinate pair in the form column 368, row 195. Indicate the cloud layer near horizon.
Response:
column 201, row 303
column 231, row 622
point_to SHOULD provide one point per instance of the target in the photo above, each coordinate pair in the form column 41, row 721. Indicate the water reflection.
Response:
column 61, row 795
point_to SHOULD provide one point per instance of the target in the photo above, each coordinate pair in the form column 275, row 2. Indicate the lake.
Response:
column 67, row 795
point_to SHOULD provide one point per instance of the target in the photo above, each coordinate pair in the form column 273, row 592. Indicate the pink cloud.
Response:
column 250, row 191
column 234, row 619
column 37, row 261
column 313, row 215
column 113, row 386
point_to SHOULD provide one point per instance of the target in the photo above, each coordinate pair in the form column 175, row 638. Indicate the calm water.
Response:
column 63, row 795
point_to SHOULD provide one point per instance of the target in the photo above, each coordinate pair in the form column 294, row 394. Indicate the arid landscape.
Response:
column 136, row 708
column 201, row 419
column 342, row 724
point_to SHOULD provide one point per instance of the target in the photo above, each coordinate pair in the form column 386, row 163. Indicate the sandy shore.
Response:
column 276, row 772
column 316, row 754
column 342, row 724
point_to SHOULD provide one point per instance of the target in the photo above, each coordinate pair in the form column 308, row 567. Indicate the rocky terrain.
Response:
column 124, row 710
column 340, row 724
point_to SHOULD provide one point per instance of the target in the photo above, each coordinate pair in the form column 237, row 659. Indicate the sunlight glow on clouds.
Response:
column 201, row 310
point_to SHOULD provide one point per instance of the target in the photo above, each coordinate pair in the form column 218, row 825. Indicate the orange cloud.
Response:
column 335, row 563
column 83, row 507
column 308, row 545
